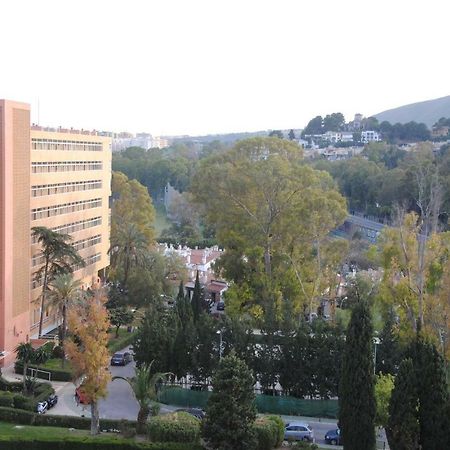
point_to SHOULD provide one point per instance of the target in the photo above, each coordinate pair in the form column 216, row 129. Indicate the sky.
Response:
column 173, row 67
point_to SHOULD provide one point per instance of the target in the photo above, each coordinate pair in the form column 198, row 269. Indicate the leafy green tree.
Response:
column 129, row 248
column 403, row 430
column 119, row 317
column 145, row 389
column 154, row 338
column 388, row 351
column 291, row 135
column 356, row 393
column 315, row 126
column 333, row 122
column 277, row 134
column 59, row 257
column 383, row 389
column 231, row 409
column 433, row 394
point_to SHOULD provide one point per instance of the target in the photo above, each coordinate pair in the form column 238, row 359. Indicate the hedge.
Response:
column 10, row 386
column 87, row 443
column 13, row 400
column 175, row 427
column 266, row 433
column 81, row 423
column 280, row 428
column 121, row 342
column 55, row 374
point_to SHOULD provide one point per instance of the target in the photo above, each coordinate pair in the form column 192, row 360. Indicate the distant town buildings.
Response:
column 370, row 136
column 143, row 140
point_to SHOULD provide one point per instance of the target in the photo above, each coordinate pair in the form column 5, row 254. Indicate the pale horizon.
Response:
column 200, row 67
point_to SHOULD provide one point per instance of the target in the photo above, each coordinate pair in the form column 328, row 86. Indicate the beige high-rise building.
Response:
column 57, row 179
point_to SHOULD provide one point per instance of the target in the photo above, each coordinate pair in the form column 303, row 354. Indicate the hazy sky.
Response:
column 210, row 66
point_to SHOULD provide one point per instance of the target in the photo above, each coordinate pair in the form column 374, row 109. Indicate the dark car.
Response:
column 121, row 359
column 221, row 306
column 196, row 412
column 52, row 400
column 333, row 437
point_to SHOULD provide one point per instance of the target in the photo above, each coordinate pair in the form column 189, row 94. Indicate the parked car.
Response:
column 42, row 407
column 221, row 306
column 298, row 431
column 80, row 395
column 196, row 412
column 121, row 359
column 52, row 400
column 333, row 437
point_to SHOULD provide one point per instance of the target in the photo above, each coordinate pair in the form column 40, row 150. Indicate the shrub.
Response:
column 302, row 445
column 22, row 402
column 16, row 416
column 58, row 352
column 6, row 399
column 280, row 428
column 266, row 432
column 10, row 386
column 175, row 427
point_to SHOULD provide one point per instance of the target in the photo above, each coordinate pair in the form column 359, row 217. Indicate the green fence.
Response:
column 265, row 403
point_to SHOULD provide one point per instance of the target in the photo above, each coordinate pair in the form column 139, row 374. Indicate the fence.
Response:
column 265, row 403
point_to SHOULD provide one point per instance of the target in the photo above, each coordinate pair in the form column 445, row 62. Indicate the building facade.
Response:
column 57, row 179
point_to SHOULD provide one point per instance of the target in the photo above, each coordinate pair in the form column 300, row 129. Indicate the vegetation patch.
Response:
column 177, row 427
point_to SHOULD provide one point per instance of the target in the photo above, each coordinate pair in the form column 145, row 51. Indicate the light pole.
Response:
column 376, row 341
column 219, row 332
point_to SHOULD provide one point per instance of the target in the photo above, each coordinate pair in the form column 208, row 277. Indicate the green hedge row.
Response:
column 10, row 386
column 16, row 400
column 80, row 423
column 175, row 427
column 56, row 374
column 269, row 432
column 98, row 443
column 123, row 341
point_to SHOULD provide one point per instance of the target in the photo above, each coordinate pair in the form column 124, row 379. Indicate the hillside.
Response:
column 428, row 112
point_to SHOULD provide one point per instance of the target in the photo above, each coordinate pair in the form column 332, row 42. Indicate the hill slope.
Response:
column 428, row 112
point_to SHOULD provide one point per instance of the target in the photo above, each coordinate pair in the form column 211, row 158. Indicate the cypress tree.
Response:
column 357, row 394
column 388, row 352
column 231, row 410
column 432, row 391
column 403, row 429
column 199, row 304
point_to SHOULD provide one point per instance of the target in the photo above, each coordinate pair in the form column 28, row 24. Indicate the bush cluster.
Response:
column 56, row 374
column 12, row 399
column 269, row 432
column 176, row 427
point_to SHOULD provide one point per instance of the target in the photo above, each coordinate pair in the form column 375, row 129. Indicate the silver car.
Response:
column 298, row 431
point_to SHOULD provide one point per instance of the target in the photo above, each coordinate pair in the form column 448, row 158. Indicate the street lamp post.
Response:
column 219, row 332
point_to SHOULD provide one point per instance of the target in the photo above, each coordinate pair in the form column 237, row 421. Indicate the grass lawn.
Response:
column 161, row 221
column 10, row 429
column 125, row 338
column 55, row 364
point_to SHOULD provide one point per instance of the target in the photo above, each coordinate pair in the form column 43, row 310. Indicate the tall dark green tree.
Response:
column 432, row 390
column 388, row 352
column 198, row 301
column 356, row 393
column 231, row 408
column 403, row 429
column 291, row 135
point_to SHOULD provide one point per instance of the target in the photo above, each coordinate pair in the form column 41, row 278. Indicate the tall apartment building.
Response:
column 60, row 180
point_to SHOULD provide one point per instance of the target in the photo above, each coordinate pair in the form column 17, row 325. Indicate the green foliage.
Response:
column 356, row 391
column 302, row 445
column 119, row 317
column 389, row 352
column 198, row 302
column 278, row 421
column 231, row 407
column 383, row 389
column 126, row 338
column 55, row 374
column 266, row 433
column 175, row 427
column 402, row 430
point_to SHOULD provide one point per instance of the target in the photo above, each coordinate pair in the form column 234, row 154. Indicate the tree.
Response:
column 315, row 126
column 231, row 410
column 291, row 135
column 24, row 352
column 383, row 389
column 144, row 386
column 64, row 290
column 120, row 316
column 356, row 393
column 129, row 248
column 402, row 429
column 433, row 395
column 388, row 352
column 154, row 338
column 198, row 301
column 277, row 134
column 126, row 195
column 88, row 350
column 59, row 257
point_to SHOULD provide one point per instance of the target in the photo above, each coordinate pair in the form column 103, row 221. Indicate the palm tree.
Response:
column 64, row 290
column 129, row 247
column 144, row 386
column 25, row 354
column 59, row 257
